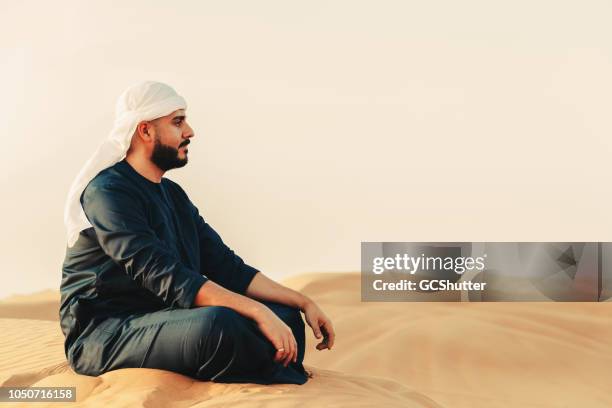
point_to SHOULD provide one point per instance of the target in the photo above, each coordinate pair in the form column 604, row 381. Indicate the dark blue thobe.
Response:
column 129, row 283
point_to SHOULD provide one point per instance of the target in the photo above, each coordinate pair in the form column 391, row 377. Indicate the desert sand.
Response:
column 411, row 354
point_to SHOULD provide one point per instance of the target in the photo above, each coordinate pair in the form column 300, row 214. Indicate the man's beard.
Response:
column 166, row 157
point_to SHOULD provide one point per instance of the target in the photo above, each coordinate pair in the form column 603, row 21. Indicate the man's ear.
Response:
column 144, row 130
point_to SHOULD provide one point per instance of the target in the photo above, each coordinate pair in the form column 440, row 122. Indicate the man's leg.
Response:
column 210, row 343
column 293, row 318
column 294, row 373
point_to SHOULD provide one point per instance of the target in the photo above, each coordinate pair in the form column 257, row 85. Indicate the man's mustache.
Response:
column 184, row 144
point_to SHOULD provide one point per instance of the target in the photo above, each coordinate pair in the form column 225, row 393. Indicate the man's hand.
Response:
column 279, row 334
column 321, row 325
column 264, row 288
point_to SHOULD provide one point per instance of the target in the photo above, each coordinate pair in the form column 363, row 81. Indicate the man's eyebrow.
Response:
column 179, row 117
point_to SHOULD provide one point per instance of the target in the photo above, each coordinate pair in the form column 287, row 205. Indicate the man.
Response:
column 147, row 282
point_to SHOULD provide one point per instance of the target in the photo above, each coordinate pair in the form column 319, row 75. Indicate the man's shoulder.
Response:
column 109, row 178
column 107, row 181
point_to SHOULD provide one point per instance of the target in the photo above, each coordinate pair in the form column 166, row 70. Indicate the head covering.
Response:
column 146, row 100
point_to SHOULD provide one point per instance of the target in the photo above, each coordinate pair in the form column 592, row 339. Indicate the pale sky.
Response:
column 319, row 124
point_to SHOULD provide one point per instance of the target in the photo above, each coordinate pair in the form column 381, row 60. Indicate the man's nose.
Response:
column 188, row 132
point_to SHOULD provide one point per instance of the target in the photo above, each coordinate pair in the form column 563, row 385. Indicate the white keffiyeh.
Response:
column 142, row 101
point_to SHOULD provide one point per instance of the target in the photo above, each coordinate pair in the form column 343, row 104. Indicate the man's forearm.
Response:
column 264, row 288
column 211, row 294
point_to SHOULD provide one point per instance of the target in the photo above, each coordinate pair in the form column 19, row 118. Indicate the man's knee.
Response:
column 213, row 319
column 217, row 335
column 290, row 315
column 219, row 313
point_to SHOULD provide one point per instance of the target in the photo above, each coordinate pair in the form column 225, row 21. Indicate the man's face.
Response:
column 172, row 134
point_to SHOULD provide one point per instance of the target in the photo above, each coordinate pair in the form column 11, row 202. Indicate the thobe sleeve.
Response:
column 120, row 222
column 219, row 262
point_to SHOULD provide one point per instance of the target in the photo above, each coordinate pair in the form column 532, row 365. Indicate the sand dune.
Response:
column 518, row 354
column 387, row 354
column 155, row 388
column 41, row 306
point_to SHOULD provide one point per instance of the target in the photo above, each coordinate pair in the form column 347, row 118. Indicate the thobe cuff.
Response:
column 244, row 278
column 192, row 288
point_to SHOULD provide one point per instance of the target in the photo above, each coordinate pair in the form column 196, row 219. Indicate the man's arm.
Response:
column 264, row 288
column 120, row 222
column 218, row 261
column 212, row 294
column 223, row 266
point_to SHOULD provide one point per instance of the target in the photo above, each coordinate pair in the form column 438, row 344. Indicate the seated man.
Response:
column 147, row 282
